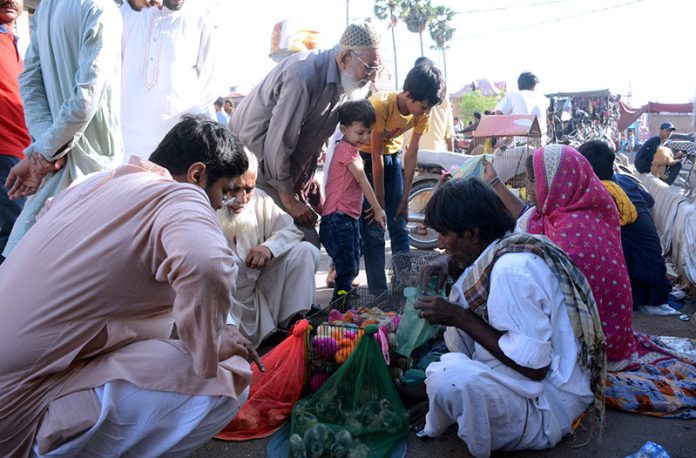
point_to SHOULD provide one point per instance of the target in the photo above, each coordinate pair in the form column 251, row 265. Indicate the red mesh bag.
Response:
column 274, row 392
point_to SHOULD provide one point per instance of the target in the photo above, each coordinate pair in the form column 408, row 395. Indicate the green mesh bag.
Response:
column 357, row 413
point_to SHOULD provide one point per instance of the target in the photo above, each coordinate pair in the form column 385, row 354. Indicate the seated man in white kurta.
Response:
column 527, row 350
column 276, row 268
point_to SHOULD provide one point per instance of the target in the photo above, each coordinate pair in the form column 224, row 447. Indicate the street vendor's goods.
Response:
column 356, row 413
column 274, row 392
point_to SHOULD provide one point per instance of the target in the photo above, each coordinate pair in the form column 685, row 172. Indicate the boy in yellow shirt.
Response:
column 397, row 112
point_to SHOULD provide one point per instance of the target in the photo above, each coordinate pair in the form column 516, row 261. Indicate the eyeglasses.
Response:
column 231, row 199
column 369, row 69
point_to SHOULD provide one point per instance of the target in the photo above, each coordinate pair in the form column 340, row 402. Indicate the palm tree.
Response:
column 388, row 9
column 416, row 14
column 440, row 30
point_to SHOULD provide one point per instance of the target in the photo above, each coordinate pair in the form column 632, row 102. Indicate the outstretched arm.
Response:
column 513, row 203
column 356, row 169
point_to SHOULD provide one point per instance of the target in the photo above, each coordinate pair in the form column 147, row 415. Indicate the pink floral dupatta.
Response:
column 578, row 214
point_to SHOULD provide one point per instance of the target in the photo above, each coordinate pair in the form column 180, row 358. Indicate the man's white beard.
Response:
column 234, row 224
column 352, row 87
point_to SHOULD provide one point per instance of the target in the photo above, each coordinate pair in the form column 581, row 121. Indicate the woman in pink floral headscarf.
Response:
column 574, row 210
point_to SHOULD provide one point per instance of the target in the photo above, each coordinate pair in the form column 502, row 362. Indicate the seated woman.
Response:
column 641, row 244
column 574, row 210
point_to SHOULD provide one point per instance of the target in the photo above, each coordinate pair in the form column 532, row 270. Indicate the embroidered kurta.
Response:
column 70, row 90
column 268, row 297
column 93, row 289
column 495, row 406
column 169, row 69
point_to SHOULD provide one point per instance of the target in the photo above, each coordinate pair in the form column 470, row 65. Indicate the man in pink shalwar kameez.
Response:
column 89, row 296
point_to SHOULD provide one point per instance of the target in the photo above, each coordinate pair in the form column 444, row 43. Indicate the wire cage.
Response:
column 511, row 139
column 405, row 268
column 329, row 345
column 360, row 297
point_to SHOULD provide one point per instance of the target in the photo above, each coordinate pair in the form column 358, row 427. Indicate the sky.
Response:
column 641, row 48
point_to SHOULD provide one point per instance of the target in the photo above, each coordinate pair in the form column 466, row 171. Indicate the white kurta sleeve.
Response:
column 280, row 232
column 100, row 34
column 520, row 304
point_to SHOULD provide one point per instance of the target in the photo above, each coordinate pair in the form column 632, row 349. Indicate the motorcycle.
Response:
column 429, row 169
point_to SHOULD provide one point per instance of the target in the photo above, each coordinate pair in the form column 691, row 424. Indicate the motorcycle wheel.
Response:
column 420, row 236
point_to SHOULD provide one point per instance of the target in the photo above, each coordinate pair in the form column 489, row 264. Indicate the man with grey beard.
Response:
column 275, row 279
column 287, row 117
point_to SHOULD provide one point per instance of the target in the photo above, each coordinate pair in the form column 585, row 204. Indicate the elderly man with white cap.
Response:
column 287, row 117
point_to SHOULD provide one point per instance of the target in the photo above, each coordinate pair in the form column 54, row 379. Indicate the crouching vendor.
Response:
column 88, row 298
column 527, row 350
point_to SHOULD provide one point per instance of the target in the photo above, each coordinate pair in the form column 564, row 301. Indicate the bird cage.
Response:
column 511, row 139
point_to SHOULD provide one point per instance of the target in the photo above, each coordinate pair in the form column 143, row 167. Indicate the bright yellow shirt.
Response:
column 392, row 124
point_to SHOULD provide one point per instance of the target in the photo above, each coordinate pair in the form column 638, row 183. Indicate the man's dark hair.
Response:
column 357, row 111
column 199, row 139
column 477, row 115
column 601, row 158
column 463, row 204
column 527, row 81
column 423, row 61
column 425, row 84
column 219, row 102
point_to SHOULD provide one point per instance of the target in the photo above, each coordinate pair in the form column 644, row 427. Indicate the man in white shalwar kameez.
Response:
column 169, row 70
column 527, row 351
column 276, row 268
column 70, row 89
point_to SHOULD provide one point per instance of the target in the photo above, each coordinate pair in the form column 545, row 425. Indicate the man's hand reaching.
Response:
column 300, row 212
column 233, row 343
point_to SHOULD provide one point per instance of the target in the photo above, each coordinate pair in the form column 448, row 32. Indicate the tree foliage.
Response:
column 416, row 14
column 440, row 30
column 475, row 101
column 390, row 10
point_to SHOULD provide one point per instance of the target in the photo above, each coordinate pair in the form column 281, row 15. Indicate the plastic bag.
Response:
column 358, row 410
column 415, row 331
column 473, row 166
column 274, row 392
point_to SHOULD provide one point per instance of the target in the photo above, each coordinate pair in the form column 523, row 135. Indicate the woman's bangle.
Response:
column 493, row 181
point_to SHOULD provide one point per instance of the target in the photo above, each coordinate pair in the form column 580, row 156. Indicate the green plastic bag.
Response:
column 415, row 331
column 357, row 413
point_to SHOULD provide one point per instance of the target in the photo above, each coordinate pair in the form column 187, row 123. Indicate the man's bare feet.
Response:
column 417, row 415
column 415, row 393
